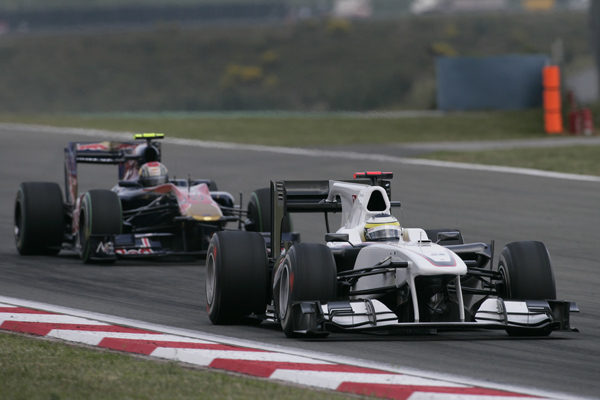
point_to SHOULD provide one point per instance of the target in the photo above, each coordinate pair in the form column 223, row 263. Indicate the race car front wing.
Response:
column 111, row 247
column 314, row 318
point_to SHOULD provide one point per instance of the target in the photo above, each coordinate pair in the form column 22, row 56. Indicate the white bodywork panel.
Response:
column 355, row 198
column 373, row 313
column 414, row 247
column 493, row 312
column 515, row 312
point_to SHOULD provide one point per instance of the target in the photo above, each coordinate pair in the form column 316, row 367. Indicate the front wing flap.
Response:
column 111, row 247
column 313, row 318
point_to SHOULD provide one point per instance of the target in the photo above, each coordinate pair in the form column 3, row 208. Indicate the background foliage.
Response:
column 314, row 64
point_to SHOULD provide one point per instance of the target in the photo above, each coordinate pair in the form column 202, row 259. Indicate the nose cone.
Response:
column 201, row 205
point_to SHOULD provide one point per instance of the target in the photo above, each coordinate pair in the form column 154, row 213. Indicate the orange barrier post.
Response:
column 552, row 105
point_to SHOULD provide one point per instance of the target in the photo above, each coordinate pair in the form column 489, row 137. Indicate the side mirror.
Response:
column 336, row 237
column 451, row 235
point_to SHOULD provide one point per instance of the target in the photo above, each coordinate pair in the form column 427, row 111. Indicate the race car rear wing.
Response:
column 128, row 155
column 304, row 196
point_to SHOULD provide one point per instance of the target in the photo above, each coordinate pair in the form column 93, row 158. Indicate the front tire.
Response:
column 307, row 273
column 236, row 276
column 39, row 221
column 100, row 215
column 526, row 275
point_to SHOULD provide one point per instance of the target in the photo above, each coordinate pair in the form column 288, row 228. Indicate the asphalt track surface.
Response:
column 484, row 205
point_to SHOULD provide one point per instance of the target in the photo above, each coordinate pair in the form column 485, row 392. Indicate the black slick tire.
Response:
column 526, row 275
column 236, row 276
column 260, row 213
column 307, row 273
column 39, row 221
column 100, row 215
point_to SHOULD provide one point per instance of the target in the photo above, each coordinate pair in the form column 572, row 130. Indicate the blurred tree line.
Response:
column 312, row 64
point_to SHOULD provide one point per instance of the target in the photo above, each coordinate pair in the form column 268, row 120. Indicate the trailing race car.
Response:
column 373, row 274
column 145, row 215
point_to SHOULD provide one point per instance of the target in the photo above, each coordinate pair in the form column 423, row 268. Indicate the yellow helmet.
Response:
column 382, row 227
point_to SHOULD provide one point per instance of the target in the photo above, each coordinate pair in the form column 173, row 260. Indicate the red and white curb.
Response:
column 202, row 350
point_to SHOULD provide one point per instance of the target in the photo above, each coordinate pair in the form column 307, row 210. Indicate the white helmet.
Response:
column 153, row 174
column 382, row 227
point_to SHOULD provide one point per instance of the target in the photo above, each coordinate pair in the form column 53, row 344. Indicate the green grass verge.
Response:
column 289, row 129
column 571, row 159
column 329, row 129
column 41, row 369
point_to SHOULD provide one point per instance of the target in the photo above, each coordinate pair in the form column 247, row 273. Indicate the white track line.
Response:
column 94, row 338
column 289, row 351
column 296, row 151
column 47, row 318
column 205, row 357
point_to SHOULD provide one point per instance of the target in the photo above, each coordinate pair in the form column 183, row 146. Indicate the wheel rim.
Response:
column 210, row 279
column 284, row 291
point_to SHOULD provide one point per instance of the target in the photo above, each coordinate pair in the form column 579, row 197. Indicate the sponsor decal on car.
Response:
column 134, row 251
column 105, row 248
column 93, row 146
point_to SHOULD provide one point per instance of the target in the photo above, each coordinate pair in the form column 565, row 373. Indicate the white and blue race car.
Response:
column 373, row 274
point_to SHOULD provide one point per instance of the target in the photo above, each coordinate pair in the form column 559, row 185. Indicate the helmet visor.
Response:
column 383, row 233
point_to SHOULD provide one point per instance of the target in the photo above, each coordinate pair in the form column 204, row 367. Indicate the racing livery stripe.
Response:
column 216, row 353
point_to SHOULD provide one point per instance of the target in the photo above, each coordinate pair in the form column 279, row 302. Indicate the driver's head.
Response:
column 153, row 174
column 382, row 227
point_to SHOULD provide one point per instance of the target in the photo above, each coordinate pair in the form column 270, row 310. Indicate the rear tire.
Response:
column 260, row 213
column 527, row 275
column 39, row 222
column 308, row 273
column 236, row 276
column 100, row 215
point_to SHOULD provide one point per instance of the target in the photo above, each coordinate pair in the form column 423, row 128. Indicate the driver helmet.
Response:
column 382, row 227
column 153, row 174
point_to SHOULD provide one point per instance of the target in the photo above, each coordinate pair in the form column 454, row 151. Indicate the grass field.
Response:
column 327, row 129
column 32, row 369
column 296, row 129
column 572, row 159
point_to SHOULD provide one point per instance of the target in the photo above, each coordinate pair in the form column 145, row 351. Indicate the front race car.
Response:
column 372, row 274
